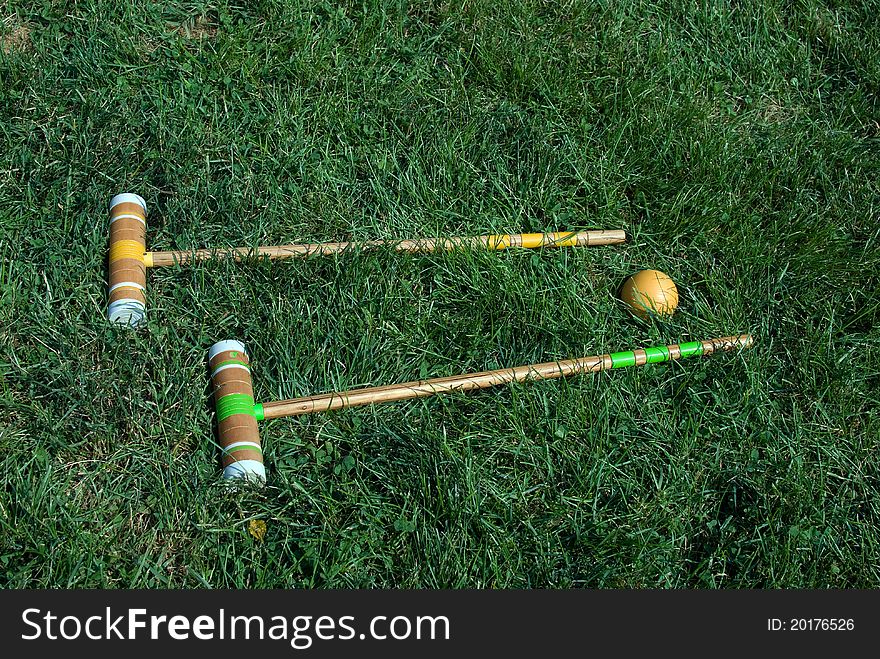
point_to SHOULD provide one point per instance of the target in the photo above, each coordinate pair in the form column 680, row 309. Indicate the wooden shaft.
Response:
column 547, row 370
column 494, row 242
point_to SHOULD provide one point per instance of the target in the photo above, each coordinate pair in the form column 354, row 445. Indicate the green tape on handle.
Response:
column 655, row 355
column 658, row 354
column 622, row 359
column 690, row 349
column 232, row 404
column 259, row 412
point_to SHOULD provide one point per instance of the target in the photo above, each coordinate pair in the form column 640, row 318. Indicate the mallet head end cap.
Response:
column 127, row 312
column 250, row 470
column 128, row 197
column 223, row 346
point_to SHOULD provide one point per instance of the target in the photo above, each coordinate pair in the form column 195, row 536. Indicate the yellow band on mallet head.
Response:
column 126, row 249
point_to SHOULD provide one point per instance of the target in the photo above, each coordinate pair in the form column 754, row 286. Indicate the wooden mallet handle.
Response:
column 547, row 370
column 494, row 242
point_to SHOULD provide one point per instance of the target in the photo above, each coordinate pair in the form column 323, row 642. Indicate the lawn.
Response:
column 738, row 147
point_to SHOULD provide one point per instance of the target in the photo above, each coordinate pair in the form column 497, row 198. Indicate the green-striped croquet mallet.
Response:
column 237, row 414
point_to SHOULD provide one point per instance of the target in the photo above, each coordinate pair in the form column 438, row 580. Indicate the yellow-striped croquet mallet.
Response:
column 238, row 414
column 129, row 258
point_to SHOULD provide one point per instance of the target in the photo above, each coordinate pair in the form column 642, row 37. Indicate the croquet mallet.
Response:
column 238, row 414
column 129, row 258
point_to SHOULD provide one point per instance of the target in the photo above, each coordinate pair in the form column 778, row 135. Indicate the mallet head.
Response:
column 127, row 274
column 236, row 419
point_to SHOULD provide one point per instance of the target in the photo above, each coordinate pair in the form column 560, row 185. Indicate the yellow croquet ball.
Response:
column 650, row 291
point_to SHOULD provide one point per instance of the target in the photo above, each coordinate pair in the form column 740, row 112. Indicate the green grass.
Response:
column 740, row 148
